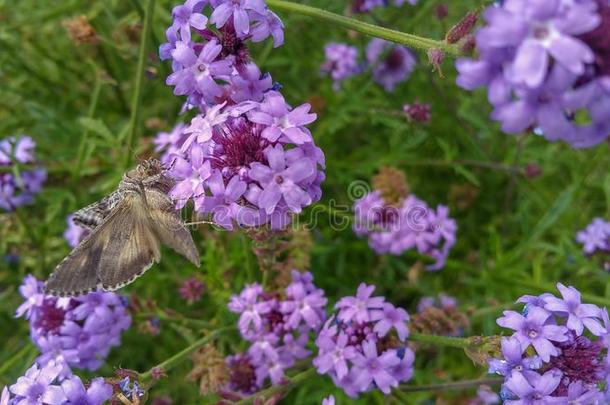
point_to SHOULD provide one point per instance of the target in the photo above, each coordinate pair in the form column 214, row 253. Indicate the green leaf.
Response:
column 98, row 127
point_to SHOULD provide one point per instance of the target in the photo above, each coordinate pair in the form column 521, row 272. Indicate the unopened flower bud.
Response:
column 417, row 112
column 441, row 11
column 462, row 28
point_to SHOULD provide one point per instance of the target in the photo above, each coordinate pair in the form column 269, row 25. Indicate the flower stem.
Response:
column 178, row 357
column 136, row 101
column 456, row 385
column 275, row 389
column 459, row 343
column 398, row 37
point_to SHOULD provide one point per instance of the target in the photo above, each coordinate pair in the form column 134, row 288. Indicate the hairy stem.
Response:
column 459, row 343
column 398, row 37
column 180, row 356
column 136, row 101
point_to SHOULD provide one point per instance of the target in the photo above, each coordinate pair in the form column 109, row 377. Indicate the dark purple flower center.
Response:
column 357, row 332
column 279, row 179
column 579, row 361
column 541, row 32
column 275, row 320
column 201, row 67
column 232, row 45
column 395, row 59
column 49, row 318
column 242, row 375
column 237, row 144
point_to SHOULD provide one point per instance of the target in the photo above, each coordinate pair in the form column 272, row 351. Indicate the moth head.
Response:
column 146, row 169
column 150, row 173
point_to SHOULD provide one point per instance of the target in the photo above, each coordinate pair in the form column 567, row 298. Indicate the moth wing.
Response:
column 132, row 247
column 77, row 273
column 169, row 227
column 94, row 214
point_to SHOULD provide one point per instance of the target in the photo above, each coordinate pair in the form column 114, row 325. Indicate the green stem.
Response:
column 456, row 385
column 82, row 147
column 459, row 343
column 398, row 37
column 136, row 101
column 180, row 356
column 275, row 389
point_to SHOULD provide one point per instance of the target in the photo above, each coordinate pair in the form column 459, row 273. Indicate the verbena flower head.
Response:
column 557, row 352
column 392, row 64
column 45, row 384
column 278, row 329
column 210, row 63
column 545, row 67
column 364, row 345
column 410, row 224
column 80, row 330
column 595, row 237
column 341, row 62
column 18, row 190
column 253, row 164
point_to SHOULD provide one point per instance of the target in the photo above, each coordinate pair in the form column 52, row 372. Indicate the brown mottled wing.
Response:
column 169, row 227
column 133, row 246
column 114, row 254
column 94, row 214
column 77, row 273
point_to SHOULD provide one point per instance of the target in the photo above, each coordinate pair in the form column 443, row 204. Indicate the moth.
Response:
column 126, row 231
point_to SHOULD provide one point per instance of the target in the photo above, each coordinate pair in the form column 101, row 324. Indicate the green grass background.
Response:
column 509, row 242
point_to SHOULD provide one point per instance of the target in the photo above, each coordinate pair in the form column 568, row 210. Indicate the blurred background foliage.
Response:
column 516, row 232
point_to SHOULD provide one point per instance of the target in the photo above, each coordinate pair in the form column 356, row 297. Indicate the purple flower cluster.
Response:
column 212, row 65
column 79, row 331
column 168, row 143
column 18, row 187
column 391, row 64
column 247, row 158
column 595, row 237
column 410, row 225
column 278, row 329
column 443, row 301
column 46, row 384
column 557, row 353
column 546, row 65
column 363, row 6
column 341, row 62
column 364, row 346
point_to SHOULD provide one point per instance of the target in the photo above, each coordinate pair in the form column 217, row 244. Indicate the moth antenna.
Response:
column 200, row 223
